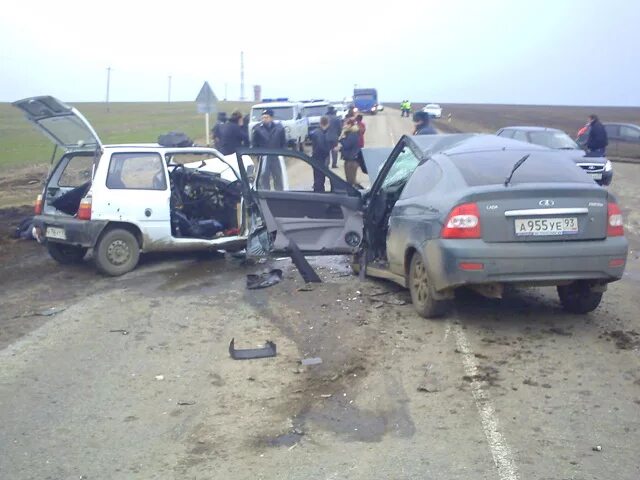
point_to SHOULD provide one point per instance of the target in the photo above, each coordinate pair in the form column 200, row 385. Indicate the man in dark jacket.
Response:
column 321, row 147
column 335, row 127
column 350, row 150
column 269, row 134
column 215, row 131
column 232, row 135
column 421, row 121
column 597, row 140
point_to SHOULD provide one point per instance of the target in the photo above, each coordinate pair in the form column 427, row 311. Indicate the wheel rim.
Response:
column 420, row 282
column 118, row 252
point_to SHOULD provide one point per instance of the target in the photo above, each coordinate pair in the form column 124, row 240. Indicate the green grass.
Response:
column 21, row 144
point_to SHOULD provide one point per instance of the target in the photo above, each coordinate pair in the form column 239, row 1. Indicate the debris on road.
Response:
column 119, row 330
column 159, row 377
column 308, row 273
column 597, row 448
column 326, row 395
column 305, row 288
column 49, row 312
column 187, row 403
column 269, row 350
column 311, row 361
column 264, row 280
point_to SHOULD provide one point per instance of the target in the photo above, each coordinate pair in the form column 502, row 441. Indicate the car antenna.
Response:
column 515, row 167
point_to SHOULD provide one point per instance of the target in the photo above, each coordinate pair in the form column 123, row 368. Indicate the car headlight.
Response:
column 608, row 167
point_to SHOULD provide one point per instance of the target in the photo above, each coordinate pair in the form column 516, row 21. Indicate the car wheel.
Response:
column 422, row 294
column 117, row 252
column 66, row 254
column 578, row 298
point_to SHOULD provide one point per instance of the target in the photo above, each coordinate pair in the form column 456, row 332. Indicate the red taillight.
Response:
column 462, row 222
column 84, row 211
column 37, row 207
column 614, row 221
column 471, row 266
column 616, row 262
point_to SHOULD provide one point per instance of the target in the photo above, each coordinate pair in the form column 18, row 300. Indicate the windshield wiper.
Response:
column 515, row 167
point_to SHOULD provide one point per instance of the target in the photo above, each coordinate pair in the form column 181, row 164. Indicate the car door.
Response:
column 629, row 142
column 613, row 136
column 283, row 210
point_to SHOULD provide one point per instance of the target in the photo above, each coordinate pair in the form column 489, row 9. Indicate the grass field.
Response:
column 22, row 145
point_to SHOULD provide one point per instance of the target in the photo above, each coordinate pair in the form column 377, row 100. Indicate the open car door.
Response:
column 295, row 202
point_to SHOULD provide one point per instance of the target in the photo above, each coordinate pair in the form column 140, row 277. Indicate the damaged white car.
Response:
column 123, row 200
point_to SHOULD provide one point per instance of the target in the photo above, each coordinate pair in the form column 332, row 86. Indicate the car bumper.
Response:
column 82, row 233
column 540, row 263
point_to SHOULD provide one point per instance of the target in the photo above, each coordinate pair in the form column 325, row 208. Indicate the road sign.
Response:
column 206, row 100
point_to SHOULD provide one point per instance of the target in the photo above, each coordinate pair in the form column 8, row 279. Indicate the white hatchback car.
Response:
column 121, row 200
column 433, row 109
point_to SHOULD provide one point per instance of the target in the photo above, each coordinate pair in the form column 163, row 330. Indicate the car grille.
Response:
column 592, row 167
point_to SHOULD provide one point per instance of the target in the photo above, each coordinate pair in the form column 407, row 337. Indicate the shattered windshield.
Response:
column 404, row 165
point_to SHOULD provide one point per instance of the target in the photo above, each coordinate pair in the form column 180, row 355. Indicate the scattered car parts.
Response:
column 269, row 350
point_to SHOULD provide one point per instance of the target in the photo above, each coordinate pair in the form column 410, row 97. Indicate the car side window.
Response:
column 629, row 133
column 612, row 130
column 520, row 135
column 423, row 180
column 137, row 171
column 403, row 166
column 77, row 171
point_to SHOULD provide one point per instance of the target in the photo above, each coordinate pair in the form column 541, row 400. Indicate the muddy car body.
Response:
column 121, row 200
column 449, row 211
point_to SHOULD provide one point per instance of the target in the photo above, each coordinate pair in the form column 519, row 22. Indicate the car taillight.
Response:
column 462, row 222
column 614, row 221
column 84, row 211
column 37, row 207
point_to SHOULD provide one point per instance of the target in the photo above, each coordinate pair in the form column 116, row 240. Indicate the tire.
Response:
column 422, row 294
column 578, row 298
column 117, row 252
column 66, row 254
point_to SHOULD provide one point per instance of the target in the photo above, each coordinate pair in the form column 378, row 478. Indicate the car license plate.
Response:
column 54, row 232
column 596, row 176
column 546, row 226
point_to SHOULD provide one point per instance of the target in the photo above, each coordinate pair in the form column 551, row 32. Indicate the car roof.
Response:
column 274, row 104
column 464, row 143
column 532, row 128
column 158, row 147
column 617, row 124
column 432, row 105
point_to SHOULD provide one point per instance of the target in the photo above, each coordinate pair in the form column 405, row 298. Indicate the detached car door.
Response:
column 284, row 211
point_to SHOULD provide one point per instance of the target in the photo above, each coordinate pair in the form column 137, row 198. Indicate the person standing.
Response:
column 269, row 134
column 335, row 127
column 350, row 150
column 597, row 140
column 215, row 131
column 362, row 128
column 422, row 126
column 322, row 144
column 232, row 134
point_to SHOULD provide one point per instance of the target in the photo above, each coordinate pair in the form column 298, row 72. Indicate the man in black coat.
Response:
column 269, row 134
column 215, row 131
column 231, row 135
column 321, row 146
column 597, row 140
column 421, row 121
column 335, row 127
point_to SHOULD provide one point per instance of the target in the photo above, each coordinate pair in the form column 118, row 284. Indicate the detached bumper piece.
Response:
column 269, row 350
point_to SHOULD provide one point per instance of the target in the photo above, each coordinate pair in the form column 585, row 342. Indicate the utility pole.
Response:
column 108, row 82
column 169, row 94
column 241, row 76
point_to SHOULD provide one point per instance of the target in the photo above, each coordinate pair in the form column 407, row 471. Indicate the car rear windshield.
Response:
column 492, row 168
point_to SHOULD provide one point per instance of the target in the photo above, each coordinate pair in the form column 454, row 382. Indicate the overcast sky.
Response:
column 574, row 52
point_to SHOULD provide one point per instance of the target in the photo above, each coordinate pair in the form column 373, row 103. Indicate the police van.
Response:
column 289, row 114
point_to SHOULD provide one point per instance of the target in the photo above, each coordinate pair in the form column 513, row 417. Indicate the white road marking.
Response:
column 500, row 451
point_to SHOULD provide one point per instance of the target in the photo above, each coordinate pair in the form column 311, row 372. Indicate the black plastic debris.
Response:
column 264, row 280
column 175, row 139
column 307, row 272
column 269, row 350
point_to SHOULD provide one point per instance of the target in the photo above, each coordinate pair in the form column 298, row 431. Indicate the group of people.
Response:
column 405, row 108
column 334, row 136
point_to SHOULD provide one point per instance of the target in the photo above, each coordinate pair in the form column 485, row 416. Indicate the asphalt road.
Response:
column 511, row 389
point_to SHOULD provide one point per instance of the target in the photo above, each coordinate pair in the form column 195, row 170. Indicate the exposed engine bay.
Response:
column 203, row 205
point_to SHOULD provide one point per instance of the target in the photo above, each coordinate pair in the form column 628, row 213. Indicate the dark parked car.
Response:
column 447, row 211
column 599, row 168
column 624, row 140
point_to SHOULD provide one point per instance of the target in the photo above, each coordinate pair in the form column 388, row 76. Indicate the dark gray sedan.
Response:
column 448, row 211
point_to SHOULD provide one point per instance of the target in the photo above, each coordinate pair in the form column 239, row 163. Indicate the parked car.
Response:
column 380, row 107
column 624, row 140
column 449, row 211
column 599, row 168
column 433, row 109
column 123, row 200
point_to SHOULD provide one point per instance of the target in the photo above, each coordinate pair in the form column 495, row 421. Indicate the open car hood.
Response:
column 63, row 124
